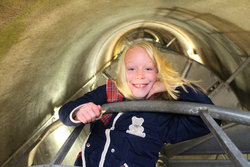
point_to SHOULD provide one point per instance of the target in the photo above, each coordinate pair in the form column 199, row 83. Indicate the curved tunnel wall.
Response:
column 49, row 50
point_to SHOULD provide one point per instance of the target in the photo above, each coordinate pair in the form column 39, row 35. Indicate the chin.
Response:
column 140, row 96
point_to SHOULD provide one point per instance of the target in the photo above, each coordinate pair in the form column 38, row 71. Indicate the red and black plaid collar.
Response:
column 113, row 95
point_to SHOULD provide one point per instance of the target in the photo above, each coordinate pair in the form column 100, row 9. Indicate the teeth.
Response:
column 140, row 86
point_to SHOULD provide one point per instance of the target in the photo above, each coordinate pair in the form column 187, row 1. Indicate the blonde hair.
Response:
column 166, row 73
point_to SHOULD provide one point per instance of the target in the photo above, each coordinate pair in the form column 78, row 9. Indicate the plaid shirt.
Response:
column 113, row 95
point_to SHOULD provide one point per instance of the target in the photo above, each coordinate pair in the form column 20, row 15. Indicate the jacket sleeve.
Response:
column 97, row 96
column 179, row 127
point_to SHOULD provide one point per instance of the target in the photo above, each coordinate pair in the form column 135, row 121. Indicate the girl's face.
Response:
column 141, row 72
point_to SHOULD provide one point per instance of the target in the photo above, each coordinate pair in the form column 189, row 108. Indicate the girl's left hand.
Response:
column 158, row 87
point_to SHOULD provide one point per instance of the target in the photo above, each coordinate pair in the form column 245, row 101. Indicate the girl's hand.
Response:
column 88, row 112
column 158, row 87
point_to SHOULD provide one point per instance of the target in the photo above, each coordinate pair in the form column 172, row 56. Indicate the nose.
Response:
column 139, row 74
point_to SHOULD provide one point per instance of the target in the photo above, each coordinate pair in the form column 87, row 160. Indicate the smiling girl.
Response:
column 135, row 139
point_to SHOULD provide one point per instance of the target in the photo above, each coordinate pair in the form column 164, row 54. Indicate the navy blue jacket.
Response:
column 134, row 139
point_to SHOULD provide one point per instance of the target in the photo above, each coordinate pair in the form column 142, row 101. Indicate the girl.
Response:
column 135, row 139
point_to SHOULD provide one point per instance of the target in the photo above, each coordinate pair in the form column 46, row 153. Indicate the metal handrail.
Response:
column 177, row 107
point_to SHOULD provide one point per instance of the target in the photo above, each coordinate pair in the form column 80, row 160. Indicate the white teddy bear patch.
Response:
column 136, row 127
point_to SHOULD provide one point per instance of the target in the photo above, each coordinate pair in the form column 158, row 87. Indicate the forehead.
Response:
column 137, row 53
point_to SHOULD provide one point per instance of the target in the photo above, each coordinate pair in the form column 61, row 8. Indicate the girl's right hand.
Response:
column 88, row 112
column 158, row 87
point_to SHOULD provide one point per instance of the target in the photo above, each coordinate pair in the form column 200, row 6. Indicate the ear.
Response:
column 141, row 120
column 137, row 121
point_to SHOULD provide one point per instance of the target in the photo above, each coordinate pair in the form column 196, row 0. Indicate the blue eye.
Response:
column 131, row 69
column 149, row 69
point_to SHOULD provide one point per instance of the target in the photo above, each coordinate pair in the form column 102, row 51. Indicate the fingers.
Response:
column 152, row 91
column 149, row 95
column 88, row 112
column 158, row 87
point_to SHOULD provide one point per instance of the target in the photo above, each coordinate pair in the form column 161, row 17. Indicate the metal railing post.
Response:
column 67, row 145
column 234, row 153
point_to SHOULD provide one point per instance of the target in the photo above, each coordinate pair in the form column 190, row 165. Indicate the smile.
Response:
column 140, row 85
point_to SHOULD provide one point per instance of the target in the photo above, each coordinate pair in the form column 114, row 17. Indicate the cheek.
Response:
column 153, row 77
column 129, row 76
